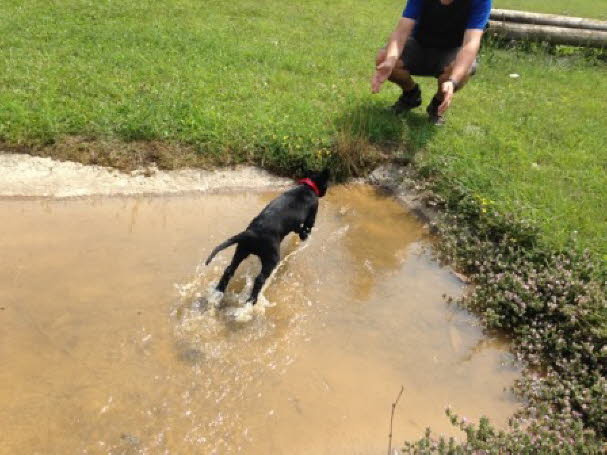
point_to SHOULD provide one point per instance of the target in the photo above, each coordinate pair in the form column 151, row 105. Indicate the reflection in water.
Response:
column 107, row 345
column 378, row 236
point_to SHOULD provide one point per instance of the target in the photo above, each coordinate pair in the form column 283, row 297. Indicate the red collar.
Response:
column 311, row 184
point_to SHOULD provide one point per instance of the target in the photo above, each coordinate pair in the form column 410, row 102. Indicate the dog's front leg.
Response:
column 308, row 224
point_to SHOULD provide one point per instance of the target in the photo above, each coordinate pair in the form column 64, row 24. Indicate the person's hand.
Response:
column 382, row 72
column 447, row 89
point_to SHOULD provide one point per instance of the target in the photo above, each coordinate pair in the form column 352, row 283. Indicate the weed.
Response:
column 553, row 306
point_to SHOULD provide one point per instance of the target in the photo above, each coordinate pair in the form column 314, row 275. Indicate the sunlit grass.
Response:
column 596, row 9
column 286, row 83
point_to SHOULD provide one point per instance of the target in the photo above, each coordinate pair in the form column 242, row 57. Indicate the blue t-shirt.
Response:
column 443, row 26
column 478, row 18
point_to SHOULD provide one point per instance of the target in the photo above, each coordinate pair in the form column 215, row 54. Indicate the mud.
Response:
column 105, row 346
column 34, row 177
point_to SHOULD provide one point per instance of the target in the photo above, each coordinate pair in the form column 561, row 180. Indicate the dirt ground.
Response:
column 24, row 175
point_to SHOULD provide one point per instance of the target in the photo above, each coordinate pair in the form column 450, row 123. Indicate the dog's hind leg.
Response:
column 268, row 263
column 240, row 255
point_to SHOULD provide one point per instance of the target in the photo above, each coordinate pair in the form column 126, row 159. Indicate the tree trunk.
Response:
column 523, row 17
column 554, row 35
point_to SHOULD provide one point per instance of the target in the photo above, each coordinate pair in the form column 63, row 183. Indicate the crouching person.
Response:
column 439, row 38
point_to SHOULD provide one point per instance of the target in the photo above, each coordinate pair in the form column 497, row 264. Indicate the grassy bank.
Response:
column 268, row 79
column 533, row 146
column 287, row 85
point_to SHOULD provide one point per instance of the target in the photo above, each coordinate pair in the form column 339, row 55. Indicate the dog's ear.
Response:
column 322, row 180
column 322, row 176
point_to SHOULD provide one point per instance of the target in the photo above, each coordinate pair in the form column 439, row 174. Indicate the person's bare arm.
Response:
column 394, row 49
column 461, row 67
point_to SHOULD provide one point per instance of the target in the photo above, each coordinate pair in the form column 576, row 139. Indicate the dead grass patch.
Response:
column 124, row 156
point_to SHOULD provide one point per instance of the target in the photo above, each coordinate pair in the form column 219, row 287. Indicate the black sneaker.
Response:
column 408, row 100
column 433, row 114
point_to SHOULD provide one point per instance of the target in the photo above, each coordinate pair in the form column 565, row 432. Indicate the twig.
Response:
column 402, row 388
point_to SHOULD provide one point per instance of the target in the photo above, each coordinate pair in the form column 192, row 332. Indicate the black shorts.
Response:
column 428, row 61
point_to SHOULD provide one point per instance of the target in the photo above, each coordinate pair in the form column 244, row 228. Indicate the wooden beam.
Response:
column 524, row 17
column 550, row 34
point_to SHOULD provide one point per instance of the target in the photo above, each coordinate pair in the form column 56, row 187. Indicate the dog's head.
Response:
column 321, row 179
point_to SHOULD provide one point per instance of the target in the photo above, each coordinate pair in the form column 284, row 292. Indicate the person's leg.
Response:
column 411, row 96
column 444, row 75
column 400, row 76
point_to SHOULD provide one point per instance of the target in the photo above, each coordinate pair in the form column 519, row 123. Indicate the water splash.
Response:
column 200, row 295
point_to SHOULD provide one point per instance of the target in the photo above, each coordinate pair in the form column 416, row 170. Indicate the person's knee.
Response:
column 400, row 70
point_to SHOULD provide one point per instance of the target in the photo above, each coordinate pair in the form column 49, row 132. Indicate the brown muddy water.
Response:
column 105, row 347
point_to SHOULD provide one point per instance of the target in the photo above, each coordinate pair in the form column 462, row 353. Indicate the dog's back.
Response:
column 284, row 214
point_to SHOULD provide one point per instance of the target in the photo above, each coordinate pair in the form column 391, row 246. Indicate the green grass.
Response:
column 244, row 76
column 534, row 146
column 596, row 9
column 286, row 85
column 279, row 82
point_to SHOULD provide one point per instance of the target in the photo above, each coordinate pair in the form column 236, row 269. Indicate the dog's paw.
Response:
column 215, row 297
column 201, row 303
column 245, row 313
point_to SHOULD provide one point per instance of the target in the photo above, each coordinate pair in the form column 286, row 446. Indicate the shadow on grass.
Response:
column 368, row 132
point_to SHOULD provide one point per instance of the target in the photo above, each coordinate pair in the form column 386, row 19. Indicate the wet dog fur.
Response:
column 293, row 211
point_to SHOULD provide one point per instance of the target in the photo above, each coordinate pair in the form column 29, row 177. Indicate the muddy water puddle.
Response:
column 105, row 347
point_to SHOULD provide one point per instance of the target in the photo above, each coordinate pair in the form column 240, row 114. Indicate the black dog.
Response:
column 293, row 211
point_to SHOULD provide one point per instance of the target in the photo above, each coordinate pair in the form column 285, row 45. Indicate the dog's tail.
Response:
column 231, row 241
